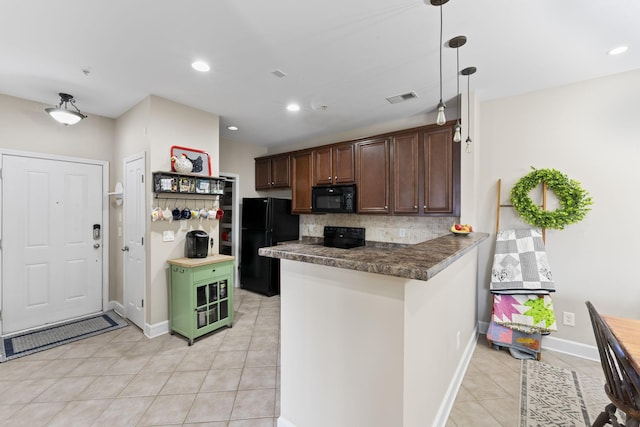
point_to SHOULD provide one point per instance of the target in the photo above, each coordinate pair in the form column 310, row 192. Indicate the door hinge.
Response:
column 141, row 303
column 0, row 314
column 142, row 241
column 142, row 178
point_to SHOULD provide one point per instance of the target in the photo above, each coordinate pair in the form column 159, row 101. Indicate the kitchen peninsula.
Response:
column 378, row 335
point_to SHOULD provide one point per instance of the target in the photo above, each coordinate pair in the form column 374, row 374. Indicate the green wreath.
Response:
column 574, row 200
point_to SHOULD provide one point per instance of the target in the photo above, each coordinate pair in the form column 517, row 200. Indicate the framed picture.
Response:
column 199, row 159
column 203, row 186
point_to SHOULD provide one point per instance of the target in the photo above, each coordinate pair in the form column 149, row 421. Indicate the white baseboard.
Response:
column 452, row 391
column 156, row 329
column 282, row 422
column 560, row 345
column 117, row 307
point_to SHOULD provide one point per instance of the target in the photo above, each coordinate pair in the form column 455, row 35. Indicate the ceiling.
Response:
column 341, row 58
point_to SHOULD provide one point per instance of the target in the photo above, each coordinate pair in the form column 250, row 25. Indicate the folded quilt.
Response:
column 521, row 342
column 520, row 263
column 525, row 313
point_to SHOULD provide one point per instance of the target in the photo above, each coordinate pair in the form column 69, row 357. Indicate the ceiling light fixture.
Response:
column 456, row 43
column 440, row 119
column 62, row 114
column 201, row 66
column 232, row 127
column 618, row 50
column 467, row 72
column 293, row 107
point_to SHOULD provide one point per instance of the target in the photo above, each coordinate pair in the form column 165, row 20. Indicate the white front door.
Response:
column 134, row 229
column 51, row 258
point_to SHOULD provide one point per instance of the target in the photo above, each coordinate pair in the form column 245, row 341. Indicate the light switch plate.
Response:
column 168, row 236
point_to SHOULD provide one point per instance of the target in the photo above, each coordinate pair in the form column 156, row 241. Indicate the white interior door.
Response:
column 52, row 262
column 134, row 230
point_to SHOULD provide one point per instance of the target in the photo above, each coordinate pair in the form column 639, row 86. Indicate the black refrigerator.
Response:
column 265, row 222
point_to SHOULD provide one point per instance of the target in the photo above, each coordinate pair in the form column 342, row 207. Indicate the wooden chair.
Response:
column 622, row 381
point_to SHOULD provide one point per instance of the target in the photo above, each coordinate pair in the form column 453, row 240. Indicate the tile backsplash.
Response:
column 394, row 229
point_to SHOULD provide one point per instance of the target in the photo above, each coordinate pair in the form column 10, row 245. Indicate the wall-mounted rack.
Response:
column 187, row 184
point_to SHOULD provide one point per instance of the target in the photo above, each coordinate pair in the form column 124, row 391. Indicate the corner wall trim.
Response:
column 156, row 329
column 452, row 391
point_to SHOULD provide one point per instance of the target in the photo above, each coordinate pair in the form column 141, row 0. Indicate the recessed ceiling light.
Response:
column 232, row 127
column 618, row 50
column 293, row 107
column 200, row 66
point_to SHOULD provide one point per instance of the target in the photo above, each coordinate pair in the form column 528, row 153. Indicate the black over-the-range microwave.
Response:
column 334, row 199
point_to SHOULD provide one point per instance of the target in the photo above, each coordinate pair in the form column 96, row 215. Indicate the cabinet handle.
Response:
column 213, row 270
column 272, row 182
column 424, row 207
column 386, row 207
column 329, row 178
column 415, row 206
column 336, row 177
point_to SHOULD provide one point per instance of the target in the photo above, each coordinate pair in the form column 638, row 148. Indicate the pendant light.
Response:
column 456, row 43
column 440, row 119
column 467, row 72
column 62, row 114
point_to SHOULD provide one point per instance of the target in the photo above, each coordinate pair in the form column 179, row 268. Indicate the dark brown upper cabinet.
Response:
column 334, row 165
column 301, row 182
column 273, row 172
column 372, row 176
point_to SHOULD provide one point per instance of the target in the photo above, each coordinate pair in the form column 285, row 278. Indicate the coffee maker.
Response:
column 196, row 244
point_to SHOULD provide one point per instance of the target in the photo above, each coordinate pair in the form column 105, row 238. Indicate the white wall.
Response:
column 588, row 131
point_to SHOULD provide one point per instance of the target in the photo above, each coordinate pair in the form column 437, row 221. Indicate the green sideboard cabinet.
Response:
column 200, row 295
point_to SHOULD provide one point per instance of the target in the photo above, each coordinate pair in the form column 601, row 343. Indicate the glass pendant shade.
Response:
column 64, row 115
column 457, row 135
column 441, row 119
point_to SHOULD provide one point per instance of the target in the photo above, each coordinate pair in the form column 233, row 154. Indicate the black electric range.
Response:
column 344, row 237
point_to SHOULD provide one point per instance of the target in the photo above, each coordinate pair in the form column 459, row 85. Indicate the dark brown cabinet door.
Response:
column 372, row 176
column 343, row 164
column 280, row 172
column 334, row 165
column 404, row 149
column 301, row 168
column 436, row 155
column 263, row 174
column 272, row 172
column 323, row 166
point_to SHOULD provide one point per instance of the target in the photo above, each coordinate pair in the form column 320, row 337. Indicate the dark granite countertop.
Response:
column 419, row 261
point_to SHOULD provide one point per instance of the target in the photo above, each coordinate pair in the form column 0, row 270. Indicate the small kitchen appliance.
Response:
column 196, row 244
column 344, row 237
column 334, row 199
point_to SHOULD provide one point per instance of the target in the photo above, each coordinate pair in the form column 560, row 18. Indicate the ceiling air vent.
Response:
column 401, row 98
column 279, row 73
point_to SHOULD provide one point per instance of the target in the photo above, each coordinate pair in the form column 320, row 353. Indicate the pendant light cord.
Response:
column 458, row 82
column 441, row 51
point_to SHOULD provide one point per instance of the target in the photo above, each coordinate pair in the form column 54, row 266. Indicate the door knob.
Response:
column 96, row 245
column 125, row 249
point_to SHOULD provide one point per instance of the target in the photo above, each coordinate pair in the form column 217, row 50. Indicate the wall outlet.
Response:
column 402, row 232
column 168, row 236
column 568, row 318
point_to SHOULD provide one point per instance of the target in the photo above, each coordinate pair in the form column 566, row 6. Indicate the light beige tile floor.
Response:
column 490, row 392
column 227, row 379
column 122, row 378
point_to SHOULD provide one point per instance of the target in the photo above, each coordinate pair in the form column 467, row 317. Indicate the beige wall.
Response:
column 237, row 157
column 26, row 127
column 589, row 131
column 174, row 124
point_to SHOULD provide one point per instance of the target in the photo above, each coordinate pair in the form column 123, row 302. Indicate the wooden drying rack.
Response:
column 544, row 234
column 500, row 205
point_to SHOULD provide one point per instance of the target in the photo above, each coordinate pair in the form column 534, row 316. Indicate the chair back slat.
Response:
column 622, row 380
